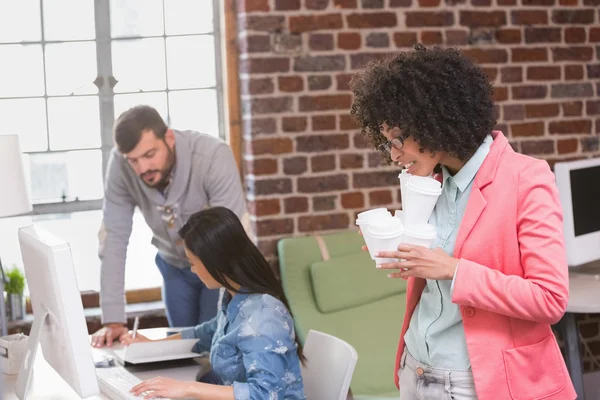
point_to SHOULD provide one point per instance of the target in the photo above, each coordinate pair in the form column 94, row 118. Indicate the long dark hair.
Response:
column 216, row 236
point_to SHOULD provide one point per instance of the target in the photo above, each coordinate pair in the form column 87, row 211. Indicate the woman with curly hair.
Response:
column 480, row 302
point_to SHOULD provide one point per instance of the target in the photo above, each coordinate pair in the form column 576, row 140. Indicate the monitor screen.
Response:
column 585, row 192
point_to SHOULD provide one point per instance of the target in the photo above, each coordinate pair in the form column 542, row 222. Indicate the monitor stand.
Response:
column 26, row 370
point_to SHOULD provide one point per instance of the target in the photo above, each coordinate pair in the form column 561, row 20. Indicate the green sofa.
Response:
column 346, row 296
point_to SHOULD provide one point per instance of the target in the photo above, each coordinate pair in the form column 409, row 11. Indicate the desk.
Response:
column 584, row 298
column 48, row 385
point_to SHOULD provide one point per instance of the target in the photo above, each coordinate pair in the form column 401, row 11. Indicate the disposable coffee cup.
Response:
column 419, row 235
column 366, row 218
column 403, row 177
column 385, row 236
column 423, row 193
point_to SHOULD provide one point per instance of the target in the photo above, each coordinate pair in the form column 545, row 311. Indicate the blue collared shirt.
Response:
column 436, row 336
column 252, row 347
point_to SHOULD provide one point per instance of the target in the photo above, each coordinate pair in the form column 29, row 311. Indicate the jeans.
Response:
column 421, row 382
column 188, row 301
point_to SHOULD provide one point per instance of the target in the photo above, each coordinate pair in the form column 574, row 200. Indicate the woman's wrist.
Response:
column 451, row 267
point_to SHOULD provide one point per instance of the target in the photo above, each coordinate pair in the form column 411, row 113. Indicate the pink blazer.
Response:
column 512, row 280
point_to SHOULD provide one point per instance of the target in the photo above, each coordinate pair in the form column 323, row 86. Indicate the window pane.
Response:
column 139, row 65
column 132, row 18
column 76, row 76
column 21, row 70
column 74, row 122
column 195, row 109
column 188, row 16
column 72, row 175
column 27, row 118
column 191, row 62
column 69, row 20
column 157, row 100
column 20, row 21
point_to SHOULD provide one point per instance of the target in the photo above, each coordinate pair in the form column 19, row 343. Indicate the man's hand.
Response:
column 108, row 334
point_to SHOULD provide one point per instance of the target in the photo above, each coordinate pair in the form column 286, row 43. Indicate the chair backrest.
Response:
column 329, row 367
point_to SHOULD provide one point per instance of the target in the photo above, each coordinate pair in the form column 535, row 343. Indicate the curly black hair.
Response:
column 438, row 96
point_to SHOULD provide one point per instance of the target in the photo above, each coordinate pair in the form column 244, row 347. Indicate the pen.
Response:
column 136, row 323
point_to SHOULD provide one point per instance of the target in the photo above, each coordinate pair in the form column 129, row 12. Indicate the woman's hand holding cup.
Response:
column 420, row 262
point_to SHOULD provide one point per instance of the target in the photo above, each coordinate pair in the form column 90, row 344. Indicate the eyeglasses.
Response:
column 397, row 143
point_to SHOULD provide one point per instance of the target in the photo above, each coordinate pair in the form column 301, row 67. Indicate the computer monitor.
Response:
column 59, row 323
column 579, row 188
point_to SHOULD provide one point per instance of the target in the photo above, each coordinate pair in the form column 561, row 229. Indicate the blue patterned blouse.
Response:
column 252, row 347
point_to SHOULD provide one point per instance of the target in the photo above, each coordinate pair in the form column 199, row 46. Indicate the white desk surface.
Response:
column 584, row 292
column 48, row 385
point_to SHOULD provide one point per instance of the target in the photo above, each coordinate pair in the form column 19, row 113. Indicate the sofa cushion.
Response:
column 349, row 281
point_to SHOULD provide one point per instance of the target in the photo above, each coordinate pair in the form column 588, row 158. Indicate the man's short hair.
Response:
column 132, row 123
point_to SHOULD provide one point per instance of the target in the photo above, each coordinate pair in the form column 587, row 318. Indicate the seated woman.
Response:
column 253, row 348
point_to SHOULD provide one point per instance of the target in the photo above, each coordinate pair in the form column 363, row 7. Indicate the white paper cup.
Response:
column 423, row 193
column 385, row 236
column 419, row 235
column 400, row 215
column 367, row 217
column 403, row 177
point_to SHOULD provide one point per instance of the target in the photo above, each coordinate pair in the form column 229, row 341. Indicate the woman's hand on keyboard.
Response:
column 163, row 387
column 127, row 339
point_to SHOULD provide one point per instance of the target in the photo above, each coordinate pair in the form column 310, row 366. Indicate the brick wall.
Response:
column 307, row 168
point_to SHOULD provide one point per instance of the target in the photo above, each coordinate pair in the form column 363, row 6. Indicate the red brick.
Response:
column 592, row 107
column 568, row 2
column 287, row 5
column 529, row 17
column 263, row 23
column 322, row 163
column 320, row 41
column 573, row 72
column 267, row 247
column 349, row 161
column 319, row 82
column 360, row 142
column 343, row 81
column 323, row 222
column 323, row 122
column 456, row 37
column 500, row 93
column 269, row 186
column 573, row 17
column 492, row 73
column 258, row 126
column 320, row 184
column 533, row 147
column 348, row 41
column 258, row 86
column 487, row 56
column 314, row 143
column 261, row 166
column 541, row 110
column 527, row 129
column 570, row 126
column 474, row 19
column 353, row 200
column 417, row 19
column 567, row 146
column 265, row 65
column 572, row 53
column 593, row 71
column 249, row 6
column 316, row 4
column 405, row 39
column 529, row 54
column 272, row 146
column 481, row 3
column 374, row 179
column 377, row 40
column 255, row 44
column 344, row 3
column 508, row 36
column 294, row 124
column 264, row 207
column 400, row 3
column 295, row 165
column 594, row 34
column 506, row 2
column 591, row 143
column 325, row 102
column 529, row 92
column 543, row 73
column 511, row 74
column 324, row 203
column 572, row 108
column 347, row 122
column 575, row 35
column 305, row 23
column 290, row 83
column 371, row 20
column 543, row 35
column 270, row 227
column 267, row 105
column 528, row 3
column 380, row 197
column 431, row 37
column 560, row 90
column 295, row 204
column 513, row 112
column 320, row 63
column 429, row 3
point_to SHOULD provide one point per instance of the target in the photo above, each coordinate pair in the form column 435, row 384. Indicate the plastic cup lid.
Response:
column 421, row 231
column 425, row 184
column 389, row 226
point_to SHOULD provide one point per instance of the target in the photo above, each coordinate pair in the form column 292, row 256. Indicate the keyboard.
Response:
column 116, row 383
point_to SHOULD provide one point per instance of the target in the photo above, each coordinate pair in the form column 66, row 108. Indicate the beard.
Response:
column 163, row 173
